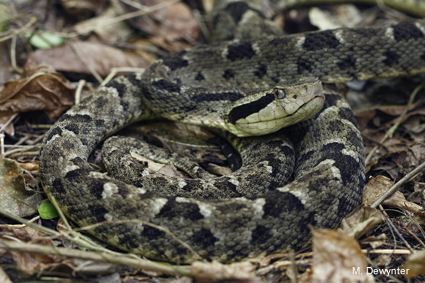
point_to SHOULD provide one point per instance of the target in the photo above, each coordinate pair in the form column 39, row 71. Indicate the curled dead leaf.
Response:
column 41, row 88
column 337, row 258
column 14, row 195
column 378, row 186
column 361, row 220
column 30, row 263
column 415, row 264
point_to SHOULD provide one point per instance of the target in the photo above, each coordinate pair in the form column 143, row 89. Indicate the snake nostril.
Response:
column 295, row 96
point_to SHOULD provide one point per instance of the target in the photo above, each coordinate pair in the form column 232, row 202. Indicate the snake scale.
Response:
column 261, row 208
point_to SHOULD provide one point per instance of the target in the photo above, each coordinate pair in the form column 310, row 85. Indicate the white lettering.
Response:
column 356, row 271
column 383, row 271
column 369, row 270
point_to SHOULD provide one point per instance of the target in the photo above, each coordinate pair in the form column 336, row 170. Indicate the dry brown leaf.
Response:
column 171, row 22
column 361, row 220
column 83, row 9
column 99, row 56
column 31, row 263
column 14, row 195
column 415, row 264
column 375, row 242
column 40, row 89
column 378, row 186
column 215, row 271
column 168, row 170
column 29, row 166
column 27, row 234
column 337, row 258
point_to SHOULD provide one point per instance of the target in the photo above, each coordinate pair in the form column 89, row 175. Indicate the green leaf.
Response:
column 45, row 39
column 47, row 211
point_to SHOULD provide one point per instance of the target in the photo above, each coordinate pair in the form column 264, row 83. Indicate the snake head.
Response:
column 268, row 111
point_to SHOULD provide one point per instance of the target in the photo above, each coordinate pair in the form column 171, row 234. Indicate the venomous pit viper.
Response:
column 240, row 86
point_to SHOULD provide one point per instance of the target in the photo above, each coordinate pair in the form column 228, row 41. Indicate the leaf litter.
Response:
column 38, row 85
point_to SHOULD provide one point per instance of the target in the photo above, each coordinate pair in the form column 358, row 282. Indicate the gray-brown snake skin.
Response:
column 329, row 158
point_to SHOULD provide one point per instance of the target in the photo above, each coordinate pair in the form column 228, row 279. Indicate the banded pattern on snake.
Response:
column 205, row 84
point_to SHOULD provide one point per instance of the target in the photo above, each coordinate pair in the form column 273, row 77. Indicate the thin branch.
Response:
column 98, row 257
column 394, row 188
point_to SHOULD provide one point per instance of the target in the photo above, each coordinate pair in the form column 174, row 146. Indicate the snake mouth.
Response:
column 262, row 127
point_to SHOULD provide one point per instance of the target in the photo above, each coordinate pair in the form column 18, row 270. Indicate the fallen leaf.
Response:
column 83, row 9
column 170, row 22
column 168, row 170
column 99, row 56
column 341, row 16
column 15, row 198
column 376, row 242
column 40, row 89
column 337, row 258
column 26, row 262
column 378, row 186
column 415, row 264
column 361, row 221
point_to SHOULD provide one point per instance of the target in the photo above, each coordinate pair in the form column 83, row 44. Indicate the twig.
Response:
column 115, row 71
column 100, row 252
column 13, row 56
column 393, row 228
column 8, row 122
column 81, row 84
column 99, row 257
column 61, row 215
column 22, row 149
column 392, row 190
column 18, row 31
column 412, row 234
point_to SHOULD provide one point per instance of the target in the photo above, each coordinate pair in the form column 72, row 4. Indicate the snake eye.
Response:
column 280, row 94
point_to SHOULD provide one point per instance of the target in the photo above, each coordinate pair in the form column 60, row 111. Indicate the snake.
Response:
column 302, row 161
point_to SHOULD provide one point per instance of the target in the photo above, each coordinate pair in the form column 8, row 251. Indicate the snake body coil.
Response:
column 195, row 86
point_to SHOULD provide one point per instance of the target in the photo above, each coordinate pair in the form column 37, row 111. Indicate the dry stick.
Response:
column 391, row 131
column 61, row 215
column 81, row 84
column 101, row 254
column 392, row 226
column 24, row 149
column 115, row 71
column 18, row 31
column 99, row 257
column 46, row 230
column 412, row 234
column 13, row 56
column 394, row 188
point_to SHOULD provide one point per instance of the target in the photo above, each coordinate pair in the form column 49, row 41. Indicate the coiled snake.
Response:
column 238, row 86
